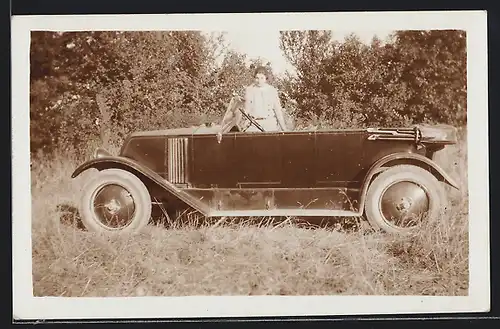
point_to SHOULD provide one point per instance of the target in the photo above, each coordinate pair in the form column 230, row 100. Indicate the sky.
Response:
column 265, row 44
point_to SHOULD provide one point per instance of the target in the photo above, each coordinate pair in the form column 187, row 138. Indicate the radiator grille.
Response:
column 177, row 164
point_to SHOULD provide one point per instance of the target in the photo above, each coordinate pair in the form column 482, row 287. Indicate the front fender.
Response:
column 118, row 162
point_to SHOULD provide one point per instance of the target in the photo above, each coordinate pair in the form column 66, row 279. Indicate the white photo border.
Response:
column 25, row 306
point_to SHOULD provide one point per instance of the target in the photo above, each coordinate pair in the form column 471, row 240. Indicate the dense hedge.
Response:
column 99, row 86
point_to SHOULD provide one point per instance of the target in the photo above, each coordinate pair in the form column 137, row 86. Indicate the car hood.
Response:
column 188, row 131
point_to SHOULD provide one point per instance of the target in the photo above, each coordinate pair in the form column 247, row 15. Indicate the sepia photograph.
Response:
column 216, row 159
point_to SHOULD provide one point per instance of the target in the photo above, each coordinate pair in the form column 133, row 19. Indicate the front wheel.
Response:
column 115, row 201
column 403, row 197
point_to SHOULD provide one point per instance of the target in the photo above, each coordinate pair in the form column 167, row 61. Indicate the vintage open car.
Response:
column 386, row 175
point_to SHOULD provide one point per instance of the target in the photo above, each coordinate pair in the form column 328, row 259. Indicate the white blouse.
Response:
column 261, row 102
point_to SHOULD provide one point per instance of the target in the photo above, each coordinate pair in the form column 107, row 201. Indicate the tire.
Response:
column 399, row 190
column 126, row 198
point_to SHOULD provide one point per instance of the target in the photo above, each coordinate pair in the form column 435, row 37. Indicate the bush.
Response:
column 101, row 86
column 415, row 77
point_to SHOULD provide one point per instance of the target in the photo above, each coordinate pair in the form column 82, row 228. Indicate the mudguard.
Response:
column 407, row 158
column 118, row 162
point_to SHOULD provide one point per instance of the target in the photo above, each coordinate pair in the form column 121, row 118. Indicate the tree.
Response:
column 415, row 77
column 97, row 87
column 434, row 66
column 65, row 70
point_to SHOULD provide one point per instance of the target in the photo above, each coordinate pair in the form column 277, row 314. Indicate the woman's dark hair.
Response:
column 260, row 69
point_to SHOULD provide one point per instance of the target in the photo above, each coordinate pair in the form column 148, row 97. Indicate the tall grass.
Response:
column 240, row 258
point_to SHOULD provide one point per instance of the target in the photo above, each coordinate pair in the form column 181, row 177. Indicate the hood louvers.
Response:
column 177, row 163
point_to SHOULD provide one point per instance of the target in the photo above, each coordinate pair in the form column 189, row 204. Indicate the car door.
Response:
column 212, row 161
column 297, row 159
column 339, row 156
column 257, row 160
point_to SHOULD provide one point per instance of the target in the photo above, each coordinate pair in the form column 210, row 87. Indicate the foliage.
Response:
column 100, row 86
column 417, row 76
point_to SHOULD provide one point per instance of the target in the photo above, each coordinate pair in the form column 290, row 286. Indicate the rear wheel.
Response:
column 403, row 197
column 115, row 201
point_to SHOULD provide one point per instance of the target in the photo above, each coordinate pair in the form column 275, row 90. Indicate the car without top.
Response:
column 386, row 175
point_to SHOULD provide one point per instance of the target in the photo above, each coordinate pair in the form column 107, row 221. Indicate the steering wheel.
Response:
column 246, row 115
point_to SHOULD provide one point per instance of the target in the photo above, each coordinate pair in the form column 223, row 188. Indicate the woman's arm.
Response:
column 230, row 117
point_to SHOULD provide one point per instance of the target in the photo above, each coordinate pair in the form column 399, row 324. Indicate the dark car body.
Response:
column 296, row 173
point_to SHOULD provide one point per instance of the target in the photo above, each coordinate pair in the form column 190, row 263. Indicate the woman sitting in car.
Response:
column 261, row 103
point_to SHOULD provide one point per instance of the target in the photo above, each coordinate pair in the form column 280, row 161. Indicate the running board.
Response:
column 284, row 213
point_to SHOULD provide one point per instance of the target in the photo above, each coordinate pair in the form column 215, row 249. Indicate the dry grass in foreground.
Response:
column 241, row 259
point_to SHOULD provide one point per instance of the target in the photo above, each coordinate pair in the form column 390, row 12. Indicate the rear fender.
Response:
column 405, row 158
column 147, row 175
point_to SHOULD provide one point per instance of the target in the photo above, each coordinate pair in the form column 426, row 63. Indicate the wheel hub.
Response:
column 114, row 206
column 404, row 203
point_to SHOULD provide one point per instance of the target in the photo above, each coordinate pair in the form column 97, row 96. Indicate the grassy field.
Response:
column 251, row 258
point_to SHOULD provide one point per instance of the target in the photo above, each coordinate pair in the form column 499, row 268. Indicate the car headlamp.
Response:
column 439, row 133
column 101, row 153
